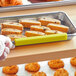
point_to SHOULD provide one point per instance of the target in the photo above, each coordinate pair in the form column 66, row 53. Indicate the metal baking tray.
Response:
column 43, row 68
column 65, row 20
column 33, row 4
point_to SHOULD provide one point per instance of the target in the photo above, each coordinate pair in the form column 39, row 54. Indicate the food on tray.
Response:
column 5, row 3
column 10, row 69
column 56, row 64
column 46, row 20
column 61, row 28
column 61, row 72
column 14, row 36
column 7, row 31
column 27, row 23
column 33, row 27
column 33, row 33
column 75, row 73
column 39, row 74
column 52, row 0
column 11, row 75
column 39, row 28
column 73, row 61
column 59, row 32
column 32, row 67
column 48, row 32
column 12, row 25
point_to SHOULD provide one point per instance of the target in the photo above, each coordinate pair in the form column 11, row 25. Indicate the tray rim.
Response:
column 37, row 5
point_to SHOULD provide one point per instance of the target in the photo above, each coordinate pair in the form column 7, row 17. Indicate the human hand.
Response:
column 5, row 46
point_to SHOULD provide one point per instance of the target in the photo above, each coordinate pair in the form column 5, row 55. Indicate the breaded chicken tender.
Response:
column 56, row 64
column 61, row 72
column 5, row 3
column 32, row 67
column 75, row 73
column 73, row 61
column 10, row 69
column 39, row 74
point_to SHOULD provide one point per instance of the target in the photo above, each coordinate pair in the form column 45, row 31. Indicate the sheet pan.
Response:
column 34, row 5
column 65, row 20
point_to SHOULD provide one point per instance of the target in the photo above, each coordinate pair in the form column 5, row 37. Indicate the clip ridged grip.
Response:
column 40, row 39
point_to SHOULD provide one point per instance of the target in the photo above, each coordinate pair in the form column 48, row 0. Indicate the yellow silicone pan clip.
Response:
column 40, row 39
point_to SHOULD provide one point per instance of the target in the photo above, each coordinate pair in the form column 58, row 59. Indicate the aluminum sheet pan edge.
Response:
column 37, row 5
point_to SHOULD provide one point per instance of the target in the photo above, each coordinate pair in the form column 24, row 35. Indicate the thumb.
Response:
column 2, row 47
column 7, row 50
column 4, row 55
column 9, row 44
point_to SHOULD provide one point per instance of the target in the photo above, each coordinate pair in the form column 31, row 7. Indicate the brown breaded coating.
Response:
column 56, row 64
column 75, row 73
column 10, row 69
column 12, row 25
column 14, row 36
column 46, row 20
column 33, row 33
column 5, row 3
column 59, row 32
column 7, row 31
column 57, row 27
column 39, row 74
column 61, row 72
column 48, row 32
column 27, row 23
column 53, row 0
column 32, row 67
column 11, row 75
column 39, row 28
column 73, row 61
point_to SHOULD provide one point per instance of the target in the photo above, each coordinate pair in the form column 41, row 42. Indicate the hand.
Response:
column 5, row 46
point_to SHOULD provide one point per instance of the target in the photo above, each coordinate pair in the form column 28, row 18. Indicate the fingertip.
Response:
column 5, row 55
column 13, row 46
column 7, row 50
column 9, row 43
